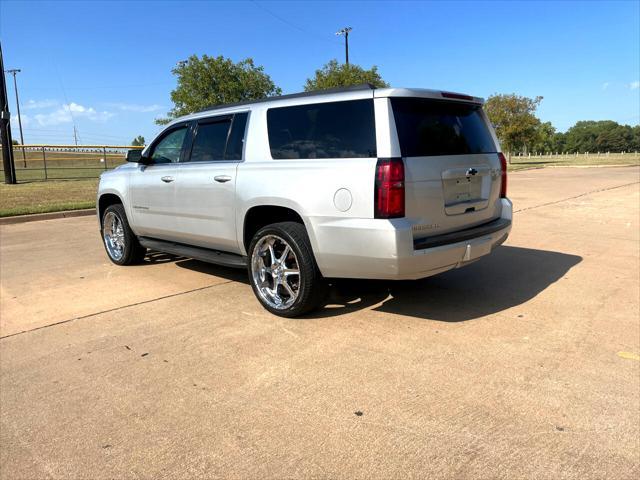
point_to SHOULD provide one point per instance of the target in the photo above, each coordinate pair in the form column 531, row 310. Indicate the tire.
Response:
column 119, row 241
column 304, row 291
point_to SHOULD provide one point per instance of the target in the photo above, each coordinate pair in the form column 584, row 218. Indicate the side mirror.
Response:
column 134, row 156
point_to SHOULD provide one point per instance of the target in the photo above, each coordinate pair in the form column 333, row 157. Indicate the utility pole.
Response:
column 75, row 135
column 5, row 129
column 345, row 31
column 15, row 71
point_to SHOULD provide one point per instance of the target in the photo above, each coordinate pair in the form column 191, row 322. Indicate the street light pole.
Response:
column 345, row 31
column 15, row 71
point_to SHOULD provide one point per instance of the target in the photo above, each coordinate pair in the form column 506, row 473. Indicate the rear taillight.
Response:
column 503, row 182
column 389, row 188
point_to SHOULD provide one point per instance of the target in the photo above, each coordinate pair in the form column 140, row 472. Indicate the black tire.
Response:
column 312, row 287
column 132, row 252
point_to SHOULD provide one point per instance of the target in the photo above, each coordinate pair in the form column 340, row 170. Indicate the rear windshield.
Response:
column 432, row 127
column 323, row 130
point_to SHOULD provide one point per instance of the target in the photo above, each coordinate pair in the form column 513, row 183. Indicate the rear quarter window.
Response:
column 323, row 130
column 431, row 127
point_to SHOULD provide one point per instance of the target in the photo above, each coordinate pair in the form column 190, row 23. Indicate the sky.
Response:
column 105, row 67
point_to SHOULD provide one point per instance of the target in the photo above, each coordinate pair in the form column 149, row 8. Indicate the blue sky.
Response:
column 106, row 66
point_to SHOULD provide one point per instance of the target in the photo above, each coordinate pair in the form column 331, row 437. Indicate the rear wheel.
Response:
column 120, row 242
column 283, row 272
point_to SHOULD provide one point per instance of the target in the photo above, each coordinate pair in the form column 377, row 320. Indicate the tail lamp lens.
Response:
column 389, row 188
column 503, row 168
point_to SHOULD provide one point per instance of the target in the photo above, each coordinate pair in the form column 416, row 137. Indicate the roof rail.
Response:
column 351, row 88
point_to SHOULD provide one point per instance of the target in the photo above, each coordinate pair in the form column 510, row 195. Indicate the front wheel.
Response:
column 283, row 272
column 120, row 242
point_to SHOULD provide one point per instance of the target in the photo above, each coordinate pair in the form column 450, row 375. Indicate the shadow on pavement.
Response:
column 508, row 277
column 234, row 274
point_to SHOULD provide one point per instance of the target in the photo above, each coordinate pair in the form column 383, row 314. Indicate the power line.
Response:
column 76, row 135
column 96, row 87
column 293, row 25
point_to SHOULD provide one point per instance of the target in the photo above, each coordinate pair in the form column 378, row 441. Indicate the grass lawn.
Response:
column 519, row 163
column 50, row 196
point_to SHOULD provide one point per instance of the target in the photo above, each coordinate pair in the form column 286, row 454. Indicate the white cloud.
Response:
column 39, row 104
column 605, row 85
column 134, row 107
column 67, row 112
column 634, row 85
column 14, row 121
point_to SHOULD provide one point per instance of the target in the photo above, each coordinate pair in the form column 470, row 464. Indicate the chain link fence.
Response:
column 66, row 162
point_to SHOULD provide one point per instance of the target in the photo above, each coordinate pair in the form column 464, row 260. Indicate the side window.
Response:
column 236, row 138
column 168, row 149
column 210, row 141
column 323, row 130
column 219, row 140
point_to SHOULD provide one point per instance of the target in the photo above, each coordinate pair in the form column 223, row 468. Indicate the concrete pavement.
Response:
column 524, row 364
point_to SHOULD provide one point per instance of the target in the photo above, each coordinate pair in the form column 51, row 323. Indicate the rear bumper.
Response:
column 385, row 249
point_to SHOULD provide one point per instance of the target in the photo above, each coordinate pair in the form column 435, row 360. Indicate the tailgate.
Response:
column 452, row 168
column 449, row 193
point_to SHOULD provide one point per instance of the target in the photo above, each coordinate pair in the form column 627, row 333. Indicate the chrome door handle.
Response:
column 222, row 178
column 167, row 179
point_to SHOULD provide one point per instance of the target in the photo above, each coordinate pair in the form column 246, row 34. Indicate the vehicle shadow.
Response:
column 508, row 277
column 234, row 274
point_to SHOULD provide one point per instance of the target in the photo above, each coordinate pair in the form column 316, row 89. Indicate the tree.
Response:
column 514, row 119
column 601, row 136
column 14, row 142
column 334, row 75
column 207, row 81
column 545, row 138
column 138, row 141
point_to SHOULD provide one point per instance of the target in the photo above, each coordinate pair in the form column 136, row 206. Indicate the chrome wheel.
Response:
column 113, row 235
column 275, row 272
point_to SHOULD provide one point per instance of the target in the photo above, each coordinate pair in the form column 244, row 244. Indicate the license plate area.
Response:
column 466, row 190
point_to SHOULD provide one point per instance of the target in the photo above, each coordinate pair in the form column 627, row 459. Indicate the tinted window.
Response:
column 323, row 130
column 236, row 138
column 430, row 127
column 210, row 141
column 215, row 142
column 168, row 149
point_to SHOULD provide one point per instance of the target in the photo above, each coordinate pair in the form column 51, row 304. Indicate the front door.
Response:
column 205, row 189
column 153, row 186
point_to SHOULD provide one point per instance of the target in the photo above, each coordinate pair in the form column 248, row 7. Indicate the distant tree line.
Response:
column 207, row 81
column 520, row 131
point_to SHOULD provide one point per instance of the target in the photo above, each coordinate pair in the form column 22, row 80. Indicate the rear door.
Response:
column 452, row 169
column 152, row 186
column 205, row 190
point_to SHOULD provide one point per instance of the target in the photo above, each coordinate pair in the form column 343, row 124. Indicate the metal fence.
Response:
column 66, row 162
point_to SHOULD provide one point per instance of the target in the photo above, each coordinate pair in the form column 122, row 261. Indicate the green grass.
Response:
column 50, row 196
column 520, row 163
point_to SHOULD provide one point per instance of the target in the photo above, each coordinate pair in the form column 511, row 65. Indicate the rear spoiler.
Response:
column 424, row 93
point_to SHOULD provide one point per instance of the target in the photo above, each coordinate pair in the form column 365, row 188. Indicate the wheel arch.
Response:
column 259, row 216
column 105, row 201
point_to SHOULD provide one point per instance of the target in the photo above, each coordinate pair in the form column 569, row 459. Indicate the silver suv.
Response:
column 359, row 182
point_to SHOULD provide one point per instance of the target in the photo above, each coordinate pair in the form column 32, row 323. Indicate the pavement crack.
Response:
column 115, row 309
column 576, row 196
